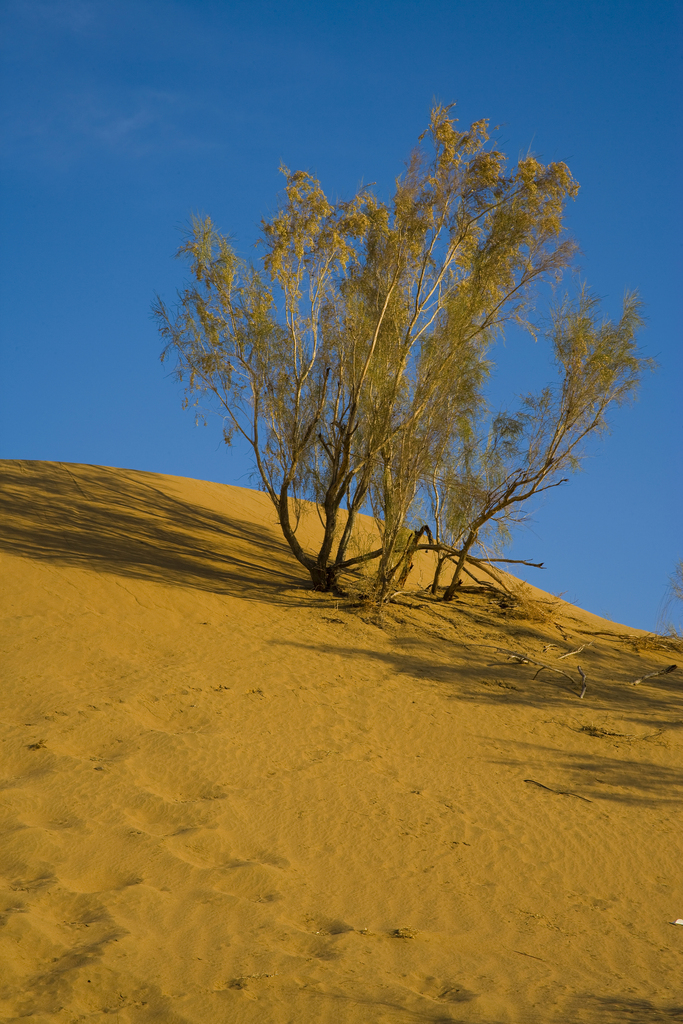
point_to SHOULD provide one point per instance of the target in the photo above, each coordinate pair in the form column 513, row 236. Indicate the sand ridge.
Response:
column 226, row 798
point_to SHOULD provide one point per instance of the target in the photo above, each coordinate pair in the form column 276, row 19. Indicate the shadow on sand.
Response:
column 488, row 677
column 124, row 522
column 607, row 772
column 618, row 1010
column 588, row 1009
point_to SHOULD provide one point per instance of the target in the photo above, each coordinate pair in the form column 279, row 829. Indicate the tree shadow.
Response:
column 403, row 1014
column 619, row 1010
column 126, row 523
column 598, row 775
column 482, row 675
column 607, row 778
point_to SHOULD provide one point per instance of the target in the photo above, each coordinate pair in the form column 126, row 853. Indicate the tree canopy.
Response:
column 353, row 356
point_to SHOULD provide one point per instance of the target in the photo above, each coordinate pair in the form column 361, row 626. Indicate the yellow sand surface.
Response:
column 227, row 799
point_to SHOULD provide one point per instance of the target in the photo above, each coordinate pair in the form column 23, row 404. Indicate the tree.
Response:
column 352, row 358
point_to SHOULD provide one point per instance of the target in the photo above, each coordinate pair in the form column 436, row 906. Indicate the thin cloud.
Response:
column 145, row 124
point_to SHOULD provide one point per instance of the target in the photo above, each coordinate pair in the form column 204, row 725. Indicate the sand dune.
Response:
column 227, row 799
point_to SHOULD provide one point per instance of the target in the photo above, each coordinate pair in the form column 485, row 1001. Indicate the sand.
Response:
column 226, row 799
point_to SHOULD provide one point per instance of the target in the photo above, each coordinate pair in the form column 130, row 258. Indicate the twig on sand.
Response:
column 524, row 659
column 651, row 675
column 583, row 681
column 560, row 792
column 577, row 651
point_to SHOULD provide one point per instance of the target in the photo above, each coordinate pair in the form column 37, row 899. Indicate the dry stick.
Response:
column 482, row 584
column 560, row 792
column 605, row 633
column 581, row 673
column 583, row 680
column 525, row 658
column 651, row 675
column 511, row 561
column 454, row 553
column 577, row 651
column 489, row 572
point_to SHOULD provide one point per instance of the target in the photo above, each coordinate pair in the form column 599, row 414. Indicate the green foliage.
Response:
column 353, row 356
column 525, row 451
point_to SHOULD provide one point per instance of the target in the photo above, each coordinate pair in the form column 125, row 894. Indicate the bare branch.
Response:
column 577, row 651
column 653, row 675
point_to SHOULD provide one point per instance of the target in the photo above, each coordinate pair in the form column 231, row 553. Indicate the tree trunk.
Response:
column 451, row 588
column 440, row 562
column 409, row 552
column 322, row 577
column 318, row 573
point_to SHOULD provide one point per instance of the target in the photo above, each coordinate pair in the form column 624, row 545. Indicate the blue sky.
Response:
column 121, row 118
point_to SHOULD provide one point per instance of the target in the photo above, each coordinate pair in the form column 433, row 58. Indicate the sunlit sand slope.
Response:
column 226, row 799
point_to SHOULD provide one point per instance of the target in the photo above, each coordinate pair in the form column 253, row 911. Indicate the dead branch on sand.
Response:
column 651, row 675
column 524, row 659
column 560, row 792
column 577, row 651
column 583, row 680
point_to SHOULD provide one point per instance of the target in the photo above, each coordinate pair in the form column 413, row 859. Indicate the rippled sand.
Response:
column 226, row 799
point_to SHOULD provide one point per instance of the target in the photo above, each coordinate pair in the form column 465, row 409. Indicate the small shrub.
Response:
column 523, row 604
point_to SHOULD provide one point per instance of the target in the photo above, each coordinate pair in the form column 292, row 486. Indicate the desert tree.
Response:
column 358, row 340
